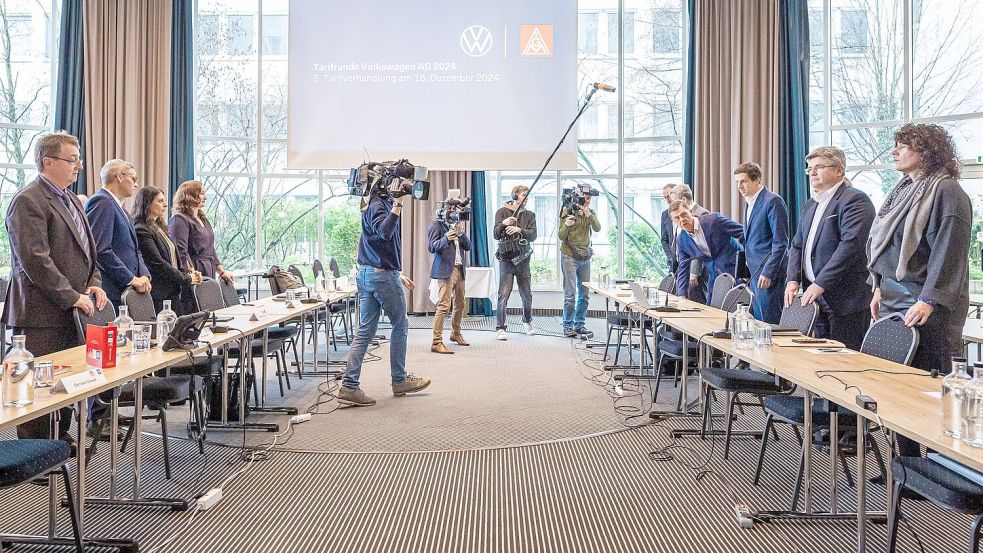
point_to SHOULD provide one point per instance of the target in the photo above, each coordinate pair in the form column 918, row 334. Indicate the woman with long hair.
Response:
column 193, row 234
column 918, row 250
column 159, row 252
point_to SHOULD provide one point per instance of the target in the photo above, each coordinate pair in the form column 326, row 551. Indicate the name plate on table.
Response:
column 75, row 382
column 803, row 342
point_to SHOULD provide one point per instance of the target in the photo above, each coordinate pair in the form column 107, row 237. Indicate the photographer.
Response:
column 380, row 287
column 515, row 232
column 577, row 221
column 447, row 241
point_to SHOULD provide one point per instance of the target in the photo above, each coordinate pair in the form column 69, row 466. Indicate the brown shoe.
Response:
column 459, row 340
column 439, row 347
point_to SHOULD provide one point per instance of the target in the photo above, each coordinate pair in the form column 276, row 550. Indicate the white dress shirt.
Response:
column 118, row 201
column 750, row 205
column 823, row 199
column 700, row 238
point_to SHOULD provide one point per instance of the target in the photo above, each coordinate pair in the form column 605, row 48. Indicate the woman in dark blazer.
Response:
column 159, row 252
column 919, row 249
column 193, row 234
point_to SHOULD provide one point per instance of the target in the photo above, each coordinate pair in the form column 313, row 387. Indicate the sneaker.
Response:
column 409, row 385
column 582, row 331
column 356, row 397
column 569, row 333
column 529, row 329
column 502, row 335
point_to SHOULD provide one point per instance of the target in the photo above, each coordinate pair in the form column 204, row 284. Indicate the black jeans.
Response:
column 523, row 275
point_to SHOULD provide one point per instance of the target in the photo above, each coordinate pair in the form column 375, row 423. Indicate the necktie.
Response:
column 80, row 224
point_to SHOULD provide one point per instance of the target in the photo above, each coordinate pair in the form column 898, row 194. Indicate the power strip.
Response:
column 743, row 513
column 303, row 417
column 209, row 500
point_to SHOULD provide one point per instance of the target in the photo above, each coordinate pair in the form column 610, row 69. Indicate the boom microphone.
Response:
column 604, row 87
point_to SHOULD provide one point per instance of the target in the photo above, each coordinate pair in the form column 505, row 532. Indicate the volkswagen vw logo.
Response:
column 476, row 41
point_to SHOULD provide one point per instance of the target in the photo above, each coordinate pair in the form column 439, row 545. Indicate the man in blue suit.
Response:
column 449, row 245
column 710, row 238
column 117, row 250
column 765, row 241
column 828, row 255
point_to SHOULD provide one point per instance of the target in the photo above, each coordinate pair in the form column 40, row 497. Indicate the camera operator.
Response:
column 380, row 287
column 577, row 221
column 449, row 245
column 515, row 232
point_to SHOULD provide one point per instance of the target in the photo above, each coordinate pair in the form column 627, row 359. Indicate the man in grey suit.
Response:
column 52, row 254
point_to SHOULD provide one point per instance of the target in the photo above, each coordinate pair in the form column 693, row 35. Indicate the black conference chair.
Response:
column 292, row 269
column 285, row 332
column 4, row 283
column 887, row 338
column 209, row 297
column 942, row 486
column 668, row 283
column 158, row 391
column 22, row 461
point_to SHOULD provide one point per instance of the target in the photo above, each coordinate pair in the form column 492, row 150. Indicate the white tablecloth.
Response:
column 479, row 282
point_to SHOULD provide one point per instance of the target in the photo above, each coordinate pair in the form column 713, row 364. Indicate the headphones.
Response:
column 515, row 191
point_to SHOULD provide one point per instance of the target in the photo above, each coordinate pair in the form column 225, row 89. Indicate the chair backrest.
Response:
column 99, row 317
column 140, row 306
column 333, row 267
column 888, row 338
column 296, row 272
column 208, row 294
column 721, row 285
column 800, row 317
column 229, row 294
column 318, row 268
column 736, row 295
column 668, row 284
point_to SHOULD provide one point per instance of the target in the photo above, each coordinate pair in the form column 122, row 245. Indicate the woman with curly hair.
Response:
column 192, row 233
column 919, row 248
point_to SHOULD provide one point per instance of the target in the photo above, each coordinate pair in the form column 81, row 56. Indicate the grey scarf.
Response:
column 909, row 204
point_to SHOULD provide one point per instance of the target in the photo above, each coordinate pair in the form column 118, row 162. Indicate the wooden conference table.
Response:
column 133, row 368
column 907, row 399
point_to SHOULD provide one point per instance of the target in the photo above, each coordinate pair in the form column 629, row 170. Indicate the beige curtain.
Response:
column 417, row 260
column 127, row 86
column 736, row 98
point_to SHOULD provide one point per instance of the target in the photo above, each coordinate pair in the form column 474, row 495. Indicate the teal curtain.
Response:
column 793, row 119
column 689, row 118
column 70, row 91
column 479, row 239
column 181, row 139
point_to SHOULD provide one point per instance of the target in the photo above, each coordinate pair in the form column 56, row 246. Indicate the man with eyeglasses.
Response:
column 827, row 260
column 53, row 261
column 117, row 250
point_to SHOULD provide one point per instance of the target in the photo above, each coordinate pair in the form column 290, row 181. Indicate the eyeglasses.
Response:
column 816, row 168
column 76, row 161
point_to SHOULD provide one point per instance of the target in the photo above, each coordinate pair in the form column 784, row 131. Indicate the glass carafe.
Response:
column 743, row 331
column 165, row 322
column 972, row 432
column 17, row 388
column 124, row 332
column 952, row 398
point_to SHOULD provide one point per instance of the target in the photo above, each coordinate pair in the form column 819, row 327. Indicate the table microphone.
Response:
column 217, row 328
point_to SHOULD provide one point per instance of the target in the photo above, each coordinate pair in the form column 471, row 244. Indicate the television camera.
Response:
column 577, row 196
column 380, row 178
column 446, row 212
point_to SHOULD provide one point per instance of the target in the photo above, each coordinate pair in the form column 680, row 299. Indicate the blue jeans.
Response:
column 575, row 274
column 377, row 292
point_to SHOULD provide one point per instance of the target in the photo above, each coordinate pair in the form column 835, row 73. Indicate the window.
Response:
column 19, row 32
column 241, row 34
column 587, row 29
column 628, row 32
column 274, row 35
column 853, row 31
column 666, row 31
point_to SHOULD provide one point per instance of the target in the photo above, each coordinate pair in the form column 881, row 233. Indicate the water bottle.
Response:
column 124, row 332
column 17, row 388
column 165, row 322
column 743, row 333
column 319, row 286
column 972, row 408
column 952, row 398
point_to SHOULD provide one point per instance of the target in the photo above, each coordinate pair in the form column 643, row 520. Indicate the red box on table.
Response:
column 100, row 346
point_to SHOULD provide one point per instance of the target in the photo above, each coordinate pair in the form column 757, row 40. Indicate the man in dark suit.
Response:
column 667, row 232
column 710, row 238
column 117, row 250
column 53, row 269
column 449, row 245
column 828, row 257
column 765, row 241
column 698, row 276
